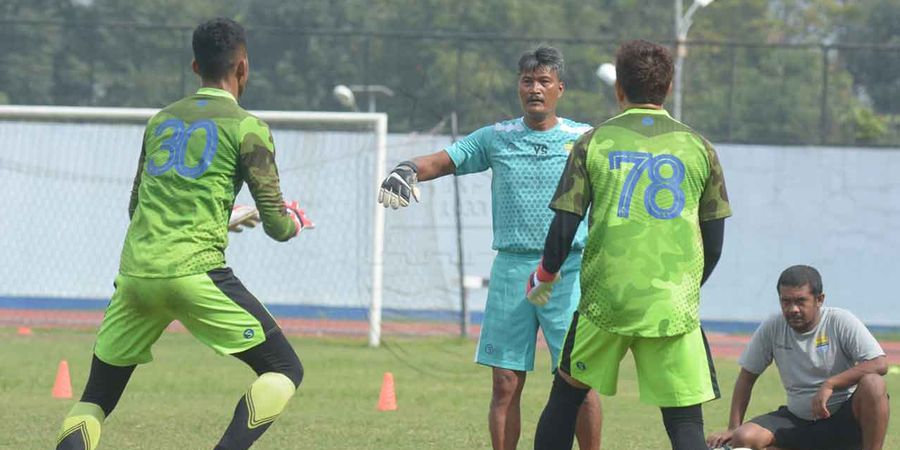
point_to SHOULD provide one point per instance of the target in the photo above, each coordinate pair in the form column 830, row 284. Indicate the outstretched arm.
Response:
column 470, row 154
column 400, row 185
column 433, row 166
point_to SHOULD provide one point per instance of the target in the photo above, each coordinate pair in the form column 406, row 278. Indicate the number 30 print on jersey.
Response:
column 197, row 153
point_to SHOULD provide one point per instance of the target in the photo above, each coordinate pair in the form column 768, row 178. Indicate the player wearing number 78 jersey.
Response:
column 655, row 198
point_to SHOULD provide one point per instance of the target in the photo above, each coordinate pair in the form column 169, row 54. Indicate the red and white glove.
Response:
column 298, row 215
column 242, row 216
column 540, row 285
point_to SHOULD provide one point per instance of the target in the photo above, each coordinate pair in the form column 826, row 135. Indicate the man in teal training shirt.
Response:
column 526, row 156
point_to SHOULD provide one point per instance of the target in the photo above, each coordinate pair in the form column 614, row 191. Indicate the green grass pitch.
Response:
column 184, row 399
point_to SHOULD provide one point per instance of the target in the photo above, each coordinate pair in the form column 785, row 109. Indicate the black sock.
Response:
column 106, row 384
column 685, row 427
column 556, row 429
column 280, row 373
column 238, row 435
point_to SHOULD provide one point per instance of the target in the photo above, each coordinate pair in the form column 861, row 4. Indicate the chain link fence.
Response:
column 733, row 92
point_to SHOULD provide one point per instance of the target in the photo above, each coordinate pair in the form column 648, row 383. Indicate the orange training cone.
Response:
column 24, row 331
column 387, row 401
column 62, row 388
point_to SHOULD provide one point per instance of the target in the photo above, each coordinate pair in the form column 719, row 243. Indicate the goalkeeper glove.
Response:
column 540, row 285
column 242, row 216
column 399, row 186
column 298, row 215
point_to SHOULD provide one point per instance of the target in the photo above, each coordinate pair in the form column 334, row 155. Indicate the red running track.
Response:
column 727, row 346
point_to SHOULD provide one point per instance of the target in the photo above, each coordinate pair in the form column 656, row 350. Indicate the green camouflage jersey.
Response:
column 197, row 153
column 649, row 181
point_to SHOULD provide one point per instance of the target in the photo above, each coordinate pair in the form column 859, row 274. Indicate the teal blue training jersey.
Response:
column 526, row 167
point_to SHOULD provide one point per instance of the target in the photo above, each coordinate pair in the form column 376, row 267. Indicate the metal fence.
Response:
column 733, row 92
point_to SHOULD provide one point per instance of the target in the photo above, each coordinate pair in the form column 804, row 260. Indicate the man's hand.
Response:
column 540, row 286
column 242, row 216
column 397, row 189
column 298, row 215
column 717, row 440
column 820, row 402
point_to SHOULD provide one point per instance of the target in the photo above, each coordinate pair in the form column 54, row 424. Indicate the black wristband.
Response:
column 409, row 164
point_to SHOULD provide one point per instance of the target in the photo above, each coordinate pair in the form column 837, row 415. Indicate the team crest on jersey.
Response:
column 248, row 333
column 569, row 146
column 822, row 342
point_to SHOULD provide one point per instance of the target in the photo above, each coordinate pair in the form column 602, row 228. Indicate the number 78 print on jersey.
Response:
column 653, row 166
column 646, row 181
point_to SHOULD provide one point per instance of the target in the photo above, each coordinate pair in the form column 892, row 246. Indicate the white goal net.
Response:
column 65, row 180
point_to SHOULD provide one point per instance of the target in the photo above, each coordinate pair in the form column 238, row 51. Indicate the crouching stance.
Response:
column 197, row 153
column 831, row 368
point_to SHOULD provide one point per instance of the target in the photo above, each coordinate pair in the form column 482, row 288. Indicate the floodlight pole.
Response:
column 683, row 22
column 372, row 89
column 460, row 253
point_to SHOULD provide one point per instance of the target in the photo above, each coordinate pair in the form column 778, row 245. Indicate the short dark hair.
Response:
column 543, row 57
column 799, row 276
column 644, row 71
column 216, row 42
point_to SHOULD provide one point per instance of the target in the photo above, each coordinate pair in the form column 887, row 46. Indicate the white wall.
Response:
column 65, row 187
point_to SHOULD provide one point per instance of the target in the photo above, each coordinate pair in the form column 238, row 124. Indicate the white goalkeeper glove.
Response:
column 540, row 286
column 397, row 189
column 298, row 215
column 242, row 216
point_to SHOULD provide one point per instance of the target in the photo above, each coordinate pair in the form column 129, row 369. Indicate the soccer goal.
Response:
column 66, row 175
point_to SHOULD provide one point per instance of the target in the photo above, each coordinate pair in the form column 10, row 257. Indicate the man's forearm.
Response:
column 433, row 166
column 740, row 399
column 852, row 375
column 260, row 172
column 559, row 240
column 713, row 235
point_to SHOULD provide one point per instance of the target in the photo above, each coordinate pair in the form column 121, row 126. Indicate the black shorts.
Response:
column 840, row 431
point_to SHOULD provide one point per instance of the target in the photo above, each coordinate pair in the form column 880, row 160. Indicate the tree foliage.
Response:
column 756, row 70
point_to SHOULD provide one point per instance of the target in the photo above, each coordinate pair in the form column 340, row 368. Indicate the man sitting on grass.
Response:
column 830, row 366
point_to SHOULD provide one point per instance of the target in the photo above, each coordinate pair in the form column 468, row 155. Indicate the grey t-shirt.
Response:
column 805, row 361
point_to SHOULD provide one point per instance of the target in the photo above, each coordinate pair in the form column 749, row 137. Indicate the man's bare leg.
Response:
column 590, row 420
column 504, row 418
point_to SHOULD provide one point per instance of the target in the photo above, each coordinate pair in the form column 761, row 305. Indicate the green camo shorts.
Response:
column 671, row 371
column 214, row 306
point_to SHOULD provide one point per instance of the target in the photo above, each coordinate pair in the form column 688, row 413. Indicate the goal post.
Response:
column 53, row 127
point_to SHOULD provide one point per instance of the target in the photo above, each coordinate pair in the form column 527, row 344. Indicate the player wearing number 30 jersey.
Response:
column 196, row 155
column 655, row 198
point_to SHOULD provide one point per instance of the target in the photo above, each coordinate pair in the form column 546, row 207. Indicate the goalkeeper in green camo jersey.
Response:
column 526, row 155
column 654, row 193
column 197, row 152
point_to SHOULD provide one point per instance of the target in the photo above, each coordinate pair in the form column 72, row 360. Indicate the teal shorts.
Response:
column 509, row 330
column 214, row 306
